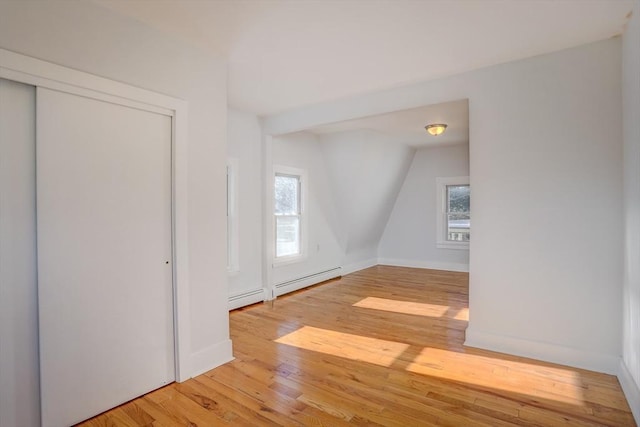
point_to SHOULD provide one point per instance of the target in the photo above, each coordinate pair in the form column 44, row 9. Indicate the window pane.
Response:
column 287, row 235
column 458, row 198
column 458, row 227
column 286, row 195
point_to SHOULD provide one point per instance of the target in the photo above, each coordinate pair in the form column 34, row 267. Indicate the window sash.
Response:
column 448, row 197
column 460, row 230
column 298, row 202
column 288, row 242
column 288, row 224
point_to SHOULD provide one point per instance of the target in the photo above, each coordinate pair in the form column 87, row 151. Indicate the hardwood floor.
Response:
column 382, row 346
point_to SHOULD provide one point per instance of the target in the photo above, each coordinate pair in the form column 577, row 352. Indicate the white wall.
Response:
column 302, row 151
column 410, row 236
column 366, row 171
column 630, row 371
column 550, row 288
column 245, row 145
column 84, row 36
column 546, row 254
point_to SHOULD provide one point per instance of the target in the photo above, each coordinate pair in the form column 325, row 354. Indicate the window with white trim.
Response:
column 454, row 213
column 288, row 213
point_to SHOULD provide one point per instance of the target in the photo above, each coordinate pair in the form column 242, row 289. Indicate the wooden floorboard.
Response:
column 382, row 346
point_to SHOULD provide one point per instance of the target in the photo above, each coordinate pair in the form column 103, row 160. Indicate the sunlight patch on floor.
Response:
column 354, row 347
column 415, row 308
column 531, row 379
column 557, row 384
column 539, row 381
column 462, row 314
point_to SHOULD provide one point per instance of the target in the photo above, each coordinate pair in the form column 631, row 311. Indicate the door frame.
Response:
column 35, row 72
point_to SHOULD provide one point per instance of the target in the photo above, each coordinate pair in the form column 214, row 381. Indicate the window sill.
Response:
column 464, row 246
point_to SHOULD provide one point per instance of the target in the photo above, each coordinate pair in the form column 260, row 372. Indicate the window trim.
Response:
column 441, row 212
column 301, row 174
column 233, row 237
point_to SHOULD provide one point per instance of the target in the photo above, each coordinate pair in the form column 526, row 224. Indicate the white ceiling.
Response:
column 407, row 126
column 285, row 54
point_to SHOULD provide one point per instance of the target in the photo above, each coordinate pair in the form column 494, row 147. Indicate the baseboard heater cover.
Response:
column 303, row 282
column 246, row 294
column 246, row 298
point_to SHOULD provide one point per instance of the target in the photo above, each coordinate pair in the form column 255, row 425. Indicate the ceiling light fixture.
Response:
column 436, row 128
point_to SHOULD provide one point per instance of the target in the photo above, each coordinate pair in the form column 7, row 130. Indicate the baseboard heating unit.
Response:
column 302, row 282
column 246, row 298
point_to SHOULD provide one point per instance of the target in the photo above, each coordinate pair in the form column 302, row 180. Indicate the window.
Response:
column 454, row 213
column 288, row 212
column 232, row 216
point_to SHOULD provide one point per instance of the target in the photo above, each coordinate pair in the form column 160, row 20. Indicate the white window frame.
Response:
column 302, row 177
column 441, row 215
column 233, row 261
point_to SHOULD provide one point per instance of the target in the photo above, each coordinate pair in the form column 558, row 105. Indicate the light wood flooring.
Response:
column 383, row 346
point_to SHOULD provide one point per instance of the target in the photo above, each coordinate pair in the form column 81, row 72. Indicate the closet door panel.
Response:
column 104, row 254
column 19, row 374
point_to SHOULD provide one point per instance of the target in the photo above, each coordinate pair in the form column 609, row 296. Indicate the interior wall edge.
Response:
column 357, row 266
column 211, row 357
column 630, row 389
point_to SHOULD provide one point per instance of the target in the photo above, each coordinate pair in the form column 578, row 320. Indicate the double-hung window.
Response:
column 288, row 213
column 454, row 213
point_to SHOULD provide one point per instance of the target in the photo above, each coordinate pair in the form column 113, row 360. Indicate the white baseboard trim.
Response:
column 246, row 298
column 433, row 265
column 303, row 282
column 357, row 266
column 542, row 351
column 211, row 357
column 631, row 390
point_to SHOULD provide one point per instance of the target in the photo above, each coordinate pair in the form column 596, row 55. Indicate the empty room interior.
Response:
column 358, row 212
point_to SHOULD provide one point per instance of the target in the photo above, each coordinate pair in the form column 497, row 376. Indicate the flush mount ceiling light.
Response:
column 436, row 128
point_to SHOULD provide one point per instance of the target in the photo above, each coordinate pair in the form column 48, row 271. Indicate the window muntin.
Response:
column 288, row 215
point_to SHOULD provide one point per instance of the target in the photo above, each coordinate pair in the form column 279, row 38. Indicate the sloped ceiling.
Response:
column 366, row 172
column 285, row 54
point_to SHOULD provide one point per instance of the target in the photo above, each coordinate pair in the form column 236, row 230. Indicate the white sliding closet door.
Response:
column 19, row 375
column 104, row 254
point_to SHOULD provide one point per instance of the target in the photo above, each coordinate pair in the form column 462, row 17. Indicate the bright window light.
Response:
column 288, row 215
